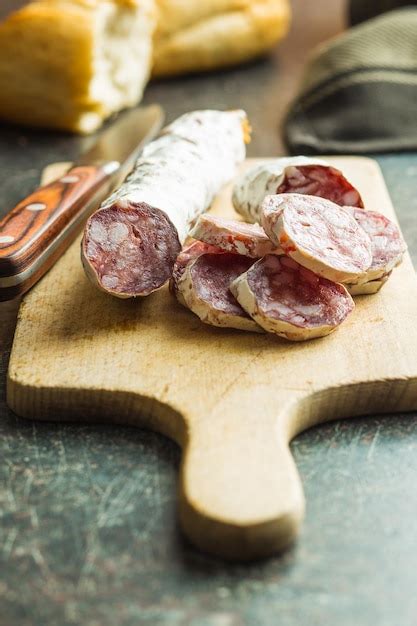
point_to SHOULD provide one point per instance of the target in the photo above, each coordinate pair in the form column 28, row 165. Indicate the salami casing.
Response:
column 130, row 244
column 287, row 299
column 387, row 244
column 318, row 234
column 291, row 175
column 205, row 289
column 368, row 288
column 233, row 236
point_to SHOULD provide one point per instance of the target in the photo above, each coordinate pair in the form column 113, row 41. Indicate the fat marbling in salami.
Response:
column 287, row 299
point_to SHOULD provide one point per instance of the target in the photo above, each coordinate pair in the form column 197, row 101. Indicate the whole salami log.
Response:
column 233, row 236
column 205, row 289
column 130, row 244
column 300, row 174
column 287, row 299
column 318, row 234
column 387, row 246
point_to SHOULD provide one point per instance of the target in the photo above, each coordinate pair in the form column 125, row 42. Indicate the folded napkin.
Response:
column 359, row 92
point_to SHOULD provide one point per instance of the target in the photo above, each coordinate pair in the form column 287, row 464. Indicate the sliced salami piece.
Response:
column 173, row 182
column 185, row 257
column 368, row 288
column 287, row 299
column 233, row 236
column 204, row 287
column 300, row 174
column 319, row 234
column 387, row 243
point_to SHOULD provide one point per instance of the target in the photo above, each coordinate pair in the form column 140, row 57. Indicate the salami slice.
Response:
column 318, row 234
column 205, row 289
column 287, row 299
column 186, row 256
column 173, row 182
column 233, row 236
column 300, row 174
column 387, row 244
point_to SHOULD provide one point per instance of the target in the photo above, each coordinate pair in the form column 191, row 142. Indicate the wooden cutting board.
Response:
column 232, row 400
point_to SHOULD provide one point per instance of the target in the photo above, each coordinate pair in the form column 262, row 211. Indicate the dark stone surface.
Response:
column 88, row 531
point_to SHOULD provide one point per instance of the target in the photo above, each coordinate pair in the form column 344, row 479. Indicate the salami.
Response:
column 287, row 299
column 368, row 288
column 130, row 244
column 318, row 234
column 233, row 236
column 387, row 244
column 204, row 287
column 186, row 256
column 301, row 174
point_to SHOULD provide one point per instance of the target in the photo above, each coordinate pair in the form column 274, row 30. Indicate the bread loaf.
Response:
column 69, row 64
column 205, row 34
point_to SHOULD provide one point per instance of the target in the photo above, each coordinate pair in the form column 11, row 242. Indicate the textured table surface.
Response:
column 88, row 532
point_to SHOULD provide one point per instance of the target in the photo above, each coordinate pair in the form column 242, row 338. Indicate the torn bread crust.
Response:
column 204, row 287
column 233, row 236
column 174, row 180
column 299, row 174
column 290, row 301
column 318, row 234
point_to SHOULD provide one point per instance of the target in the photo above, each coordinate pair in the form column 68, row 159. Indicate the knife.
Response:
column 41, row 227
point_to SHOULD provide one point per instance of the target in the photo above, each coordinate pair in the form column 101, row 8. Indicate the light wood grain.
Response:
column 232, row 400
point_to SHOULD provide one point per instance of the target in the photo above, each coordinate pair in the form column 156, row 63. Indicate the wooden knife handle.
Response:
column 47, row 219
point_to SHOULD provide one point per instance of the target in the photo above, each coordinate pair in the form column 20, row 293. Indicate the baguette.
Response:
column 208, row 34
column 70, row 64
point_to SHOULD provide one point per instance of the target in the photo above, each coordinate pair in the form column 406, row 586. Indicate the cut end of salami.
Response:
column 287, row 299
column 320, row 180
column 299, row 174
column 129, row 251
column 205, row 288
column 387, row 243
column 233, row 236
column 318, row 234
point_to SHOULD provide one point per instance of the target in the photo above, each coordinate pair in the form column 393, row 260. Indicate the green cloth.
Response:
column 360, row 10
column 359, row 92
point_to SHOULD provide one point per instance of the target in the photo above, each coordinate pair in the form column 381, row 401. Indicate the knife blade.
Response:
column 40, row 228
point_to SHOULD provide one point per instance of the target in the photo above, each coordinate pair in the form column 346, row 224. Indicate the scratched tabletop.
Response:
column 88, row 531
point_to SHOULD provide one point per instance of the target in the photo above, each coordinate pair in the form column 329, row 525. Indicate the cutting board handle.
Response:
column 240, row 492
